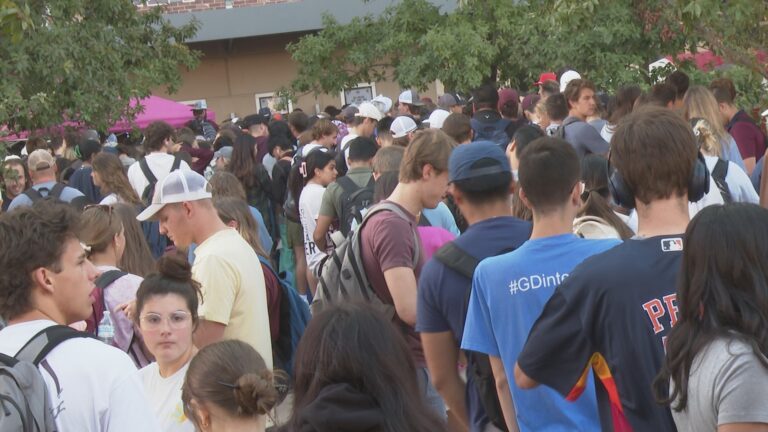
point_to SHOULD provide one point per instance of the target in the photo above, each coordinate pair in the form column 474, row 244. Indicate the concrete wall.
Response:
column 231, row 73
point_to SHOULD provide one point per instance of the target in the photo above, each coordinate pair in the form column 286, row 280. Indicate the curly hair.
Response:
column 32, row 237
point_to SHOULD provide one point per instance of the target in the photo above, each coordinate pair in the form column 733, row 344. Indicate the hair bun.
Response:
column 255, row 393
column 176, row 267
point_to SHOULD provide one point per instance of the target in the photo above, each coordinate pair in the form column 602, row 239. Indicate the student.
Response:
column 354, row 373
column 103, row 233
column 109, row 177
column 319, row 173
column 92, row 386
column 580, row 97
column 224, row 184
column 15, row 180
column 137, row 258
column 166, row 314
column 498, row 320
column 229, row 387
column 387, row 240
column 619, row 107
column 680, row 81
column 699, row 102
column 158, row 145
column 254, row 178
column 335, row 206
column 81, row 178
column 749, row 138
column 487, row 122
column 716, row 353
column 42, row 173
column 481, row 183
column 235, row 300
column 615, row 310
column 596, row 217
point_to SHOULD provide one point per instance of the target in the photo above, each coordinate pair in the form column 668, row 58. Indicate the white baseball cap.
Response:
column 178, row 186
column 437, row 118
column 383, row 103
column 369, row 110
column 568, row 77
column 410, row 97
column 402, row 126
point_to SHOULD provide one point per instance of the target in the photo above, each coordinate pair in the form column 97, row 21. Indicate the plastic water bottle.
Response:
column 106, row 330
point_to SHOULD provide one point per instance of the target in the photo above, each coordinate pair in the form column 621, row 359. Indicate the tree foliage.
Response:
column 610, row 41
column 83, row 60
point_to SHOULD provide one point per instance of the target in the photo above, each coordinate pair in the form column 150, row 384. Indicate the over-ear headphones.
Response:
column 698, row 186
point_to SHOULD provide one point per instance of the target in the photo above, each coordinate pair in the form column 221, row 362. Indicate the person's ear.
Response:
column 524, row 198
column 576, row 192
column 232, row 224
column 456, row 193
column 188, row 208
column 41, row 276
column 426, row 171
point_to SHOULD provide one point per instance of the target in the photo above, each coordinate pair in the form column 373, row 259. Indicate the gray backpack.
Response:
column 342, row 275
column 24, row 402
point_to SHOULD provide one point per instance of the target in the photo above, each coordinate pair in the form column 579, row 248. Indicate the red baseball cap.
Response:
column 544, row 77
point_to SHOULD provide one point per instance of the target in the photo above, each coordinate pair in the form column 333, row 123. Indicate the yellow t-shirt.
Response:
column 234, row 292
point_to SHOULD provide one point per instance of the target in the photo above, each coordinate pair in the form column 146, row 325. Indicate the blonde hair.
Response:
column 699, row 102
column 705, row 137
column 428, row 147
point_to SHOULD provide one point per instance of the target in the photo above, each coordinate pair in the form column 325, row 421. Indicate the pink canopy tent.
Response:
column 156, row 108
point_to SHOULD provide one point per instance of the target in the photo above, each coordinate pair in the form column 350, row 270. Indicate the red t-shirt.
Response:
column 387, row 243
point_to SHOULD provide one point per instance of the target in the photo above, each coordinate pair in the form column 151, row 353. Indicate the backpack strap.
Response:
column 144, row 165
column 176, row 163
column 388, row 206
column 719, row 173
column 107, row 278
column 45, row 341
column 56, row 190
column 33, row 194
column 457, row 259
column 347, row 185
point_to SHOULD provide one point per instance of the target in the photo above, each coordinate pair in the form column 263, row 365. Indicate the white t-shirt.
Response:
column 93, row 386
column 739, row 184
column 109, row 199
column 347, row 138
column 159, row 163
column 309, row 209
column 164, row 395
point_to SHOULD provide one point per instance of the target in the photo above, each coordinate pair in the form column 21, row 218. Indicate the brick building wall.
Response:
column 177, row 6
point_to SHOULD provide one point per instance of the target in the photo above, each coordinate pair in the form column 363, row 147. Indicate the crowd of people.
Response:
column 558, row 260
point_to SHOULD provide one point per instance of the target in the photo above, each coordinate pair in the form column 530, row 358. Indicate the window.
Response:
column 364, row 92
column 268, row 100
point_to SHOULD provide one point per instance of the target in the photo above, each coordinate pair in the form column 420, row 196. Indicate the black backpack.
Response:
column 495, row 132
column 478, row 364
column 54, row 193
column 719, row 174
column 156, row 241
column 560, row 131
column 354, row 199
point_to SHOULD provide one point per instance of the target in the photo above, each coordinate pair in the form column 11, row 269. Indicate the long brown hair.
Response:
column 98, row 228
column 137, row 258
column 596, row 196
column 113, row 178
column 234, row 209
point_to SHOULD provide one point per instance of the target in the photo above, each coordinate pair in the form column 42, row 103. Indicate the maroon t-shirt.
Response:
column 387, row 243
column 262, row 148
column 274, row 293
column 748, row 136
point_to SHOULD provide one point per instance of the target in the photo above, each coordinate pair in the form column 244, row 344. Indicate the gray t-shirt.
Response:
column 727, row 384
column 584, row 137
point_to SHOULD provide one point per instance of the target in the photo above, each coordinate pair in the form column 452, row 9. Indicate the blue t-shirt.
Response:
column 67, row 195
column 508, row 295
column 442, row 217
column 442, row 293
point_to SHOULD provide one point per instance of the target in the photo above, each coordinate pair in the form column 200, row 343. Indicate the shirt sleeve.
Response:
column 129, row 409
column 219, row 288
column 327, row 207
column 745, row 139
column 741, row 389
column 429, row 318
column 559, row 346
column 479, row 334
column 740, row 185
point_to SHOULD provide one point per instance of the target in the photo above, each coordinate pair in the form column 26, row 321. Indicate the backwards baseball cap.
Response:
column 437, row 118
column 506, row 95
column 449, row 100
column 199, row 105
column 402, row 126
column 369, row 110
column 410, row 97
column 545, row 76
column 383, row 103
column 224, row 152
column 479, row 166
column 568, row 77
column 40, row 159
column 178, row 186
column 252, row 120
column 86, row 149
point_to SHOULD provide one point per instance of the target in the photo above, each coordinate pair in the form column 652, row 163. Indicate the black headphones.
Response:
column 623, row 195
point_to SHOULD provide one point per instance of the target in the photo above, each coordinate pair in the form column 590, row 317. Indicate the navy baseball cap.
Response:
column 482, row 161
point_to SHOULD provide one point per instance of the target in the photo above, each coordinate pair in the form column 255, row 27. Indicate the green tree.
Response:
column 610, row 41
column 83, row 60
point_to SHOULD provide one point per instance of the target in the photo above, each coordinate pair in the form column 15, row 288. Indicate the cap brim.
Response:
column 150, row 212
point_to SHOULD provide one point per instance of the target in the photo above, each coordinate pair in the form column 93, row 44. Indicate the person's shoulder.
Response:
column 599, row 245
column 72, row 192
column 94, row 356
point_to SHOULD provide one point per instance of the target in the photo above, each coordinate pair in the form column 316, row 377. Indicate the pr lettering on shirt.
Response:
column 672, row 244
column 533, row 282
column 658, row 308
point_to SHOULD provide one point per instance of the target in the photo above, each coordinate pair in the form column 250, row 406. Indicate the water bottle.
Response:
column 106, row 331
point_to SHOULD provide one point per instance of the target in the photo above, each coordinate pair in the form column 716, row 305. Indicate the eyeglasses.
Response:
column 176, row 320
